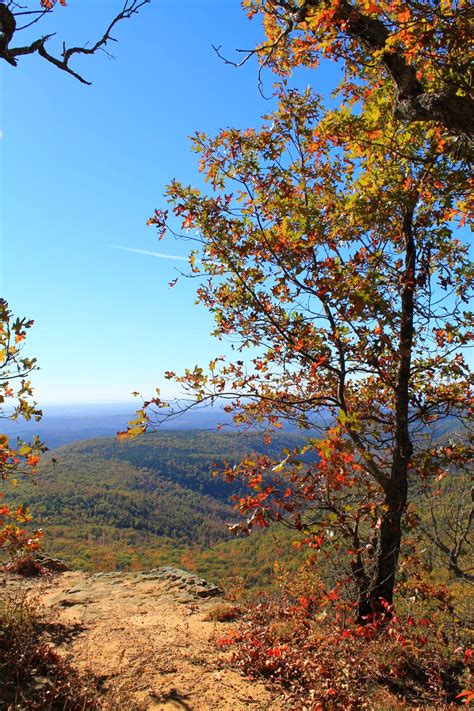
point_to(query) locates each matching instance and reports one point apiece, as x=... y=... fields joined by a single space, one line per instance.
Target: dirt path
x=148 y=637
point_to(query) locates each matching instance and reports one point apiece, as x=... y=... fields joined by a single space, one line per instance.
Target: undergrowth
x=33 y=677
x=304 y=643
x=25 y=565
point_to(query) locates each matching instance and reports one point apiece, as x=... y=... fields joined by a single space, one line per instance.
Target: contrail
x=160 y=255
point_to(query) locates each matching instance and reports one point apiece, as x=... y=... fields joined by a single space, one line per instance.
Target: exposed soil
x=146 y=636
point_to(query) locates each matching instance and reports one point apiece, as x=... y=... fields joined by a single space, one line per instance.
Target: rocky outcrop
x=183 y=585
x=54 y=565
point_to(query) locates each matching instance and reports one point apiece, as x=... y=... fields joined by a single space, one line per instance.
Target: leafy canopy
x=16 y=458
x=329 y=249
x=422 y=49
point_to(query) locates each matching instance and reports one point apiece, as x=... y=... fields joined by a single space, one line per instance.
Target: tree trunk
x=377 y=599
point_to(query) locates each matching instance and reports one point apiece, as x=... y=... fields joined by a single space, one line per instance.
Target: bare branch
x=130 y=8
x=452 y=546
x=39 y=16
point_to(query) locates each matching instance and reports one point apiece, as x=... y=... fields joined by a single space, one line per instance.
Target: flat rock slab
x=147 y=635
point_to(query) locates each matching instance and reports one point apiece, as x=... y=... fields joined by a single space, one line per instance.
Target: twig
x=130 y=8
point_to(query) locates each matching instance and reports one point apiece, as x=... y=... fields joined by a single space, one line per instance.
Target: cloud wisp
x=158 y=255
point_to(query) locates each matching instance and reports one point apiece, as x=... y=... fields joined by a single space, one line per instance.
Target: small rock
x=41 y=682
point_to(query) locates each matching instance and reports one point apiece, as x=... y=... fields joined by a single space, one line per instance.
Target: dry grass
x=33 y=677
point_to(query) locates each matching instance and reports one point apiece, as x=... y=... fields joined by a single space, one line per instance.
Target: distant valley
x=106 y=504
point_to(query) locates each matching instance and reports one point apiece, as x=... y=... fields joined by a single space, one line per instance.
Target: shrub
x=25 y=565
x=302 y=641
x=33 y=676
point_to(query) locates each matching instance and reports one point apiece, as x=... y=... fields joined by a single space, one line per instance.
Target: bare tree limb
x=453 y=546
x=130 y=8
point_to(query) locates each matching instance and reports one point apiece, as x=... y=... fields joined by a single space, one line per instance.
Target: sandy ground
x=149 y=640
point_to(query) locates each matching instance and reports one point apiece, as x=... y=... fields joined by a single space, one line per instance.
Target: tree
x=328 y=247
x=20 y=458
x=10 y=11
x=423 y=47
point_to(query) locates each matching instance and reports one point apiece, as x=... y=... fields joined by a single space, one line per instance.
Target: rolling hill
x=106 y=504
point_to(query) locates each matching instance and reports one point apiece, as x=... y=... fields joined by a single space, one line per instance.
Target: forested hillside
x=188 y=458
x=105 y=504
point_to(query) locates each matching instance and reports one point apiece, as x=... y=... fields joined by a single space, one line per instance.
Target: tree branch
x=130 y=8
x=413 y=103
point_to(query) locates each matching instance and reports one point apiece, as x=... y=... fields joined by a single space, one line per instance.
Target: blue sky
x=82 y=169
